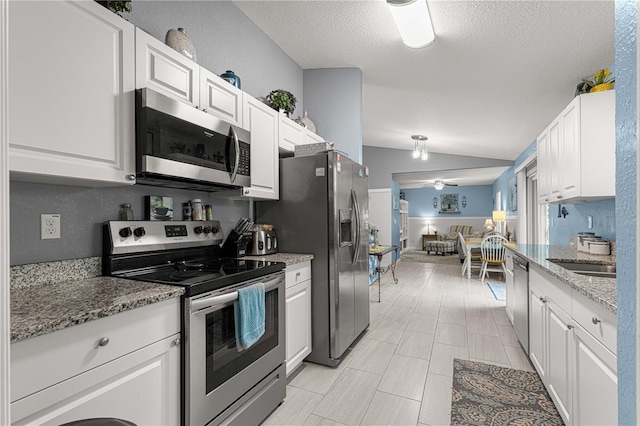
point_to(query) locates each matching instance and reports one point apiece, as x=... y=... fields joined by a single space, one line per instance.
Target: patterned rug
x=422 y=256
x=485 y=394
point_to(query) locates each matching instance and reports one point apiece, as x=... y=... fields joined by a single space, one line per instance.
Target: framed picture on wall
x=449 y=204
x=513 y=194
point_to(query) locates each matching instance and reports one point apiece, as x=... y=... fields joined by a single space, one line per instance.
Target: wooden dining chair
x=469 y=261
x=493 y=255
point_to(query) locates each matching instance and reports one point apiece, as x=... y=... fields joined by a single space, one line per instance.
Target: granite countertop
x=287 y=258
x=599 y=289
x=50 y=296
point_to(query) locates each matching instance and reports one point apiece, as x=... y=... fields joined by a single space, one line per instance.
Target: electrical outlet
x=49 y=226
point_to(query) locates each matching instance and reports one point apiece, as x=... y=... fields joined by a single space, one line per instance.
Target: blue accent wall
x=561 y=229
x=502 y=183
x=479 y=201
x=626 y=201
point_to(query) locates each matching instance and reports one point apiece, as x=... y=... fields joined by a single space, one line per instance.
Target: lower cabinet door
x=536 y=331
x=559 y=338
x=298 y=319
x=142 y=387
x=596 y=382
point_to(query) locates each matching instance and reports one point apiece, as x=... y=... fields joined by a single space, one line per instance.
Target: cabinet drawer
x=551 y=288
x=597 y=320
x=297 y=273
x=46 y=360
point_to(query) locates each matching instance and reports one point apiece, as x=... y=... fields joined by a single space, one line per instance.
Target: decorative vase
x=178 y=40
x=601 y=87
x=232 y=78
x=308 y=123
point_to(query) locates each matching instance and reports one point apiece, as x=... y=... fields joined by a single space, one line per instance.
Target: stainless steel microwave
x=180 y=146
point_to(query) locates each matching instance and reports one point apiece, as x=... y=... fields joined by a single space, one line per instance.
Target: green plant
x=117 y=6
x=282 y=100
x=601 y=77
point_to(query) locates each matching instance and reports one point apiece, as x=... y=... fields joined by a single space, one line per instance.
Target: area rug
x=485 y=394
x=498 y=290
x=422 y=256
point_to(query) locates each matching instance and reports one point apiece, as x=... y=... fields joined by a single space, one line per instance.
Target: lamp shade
x=489 y=224
x=499 y=215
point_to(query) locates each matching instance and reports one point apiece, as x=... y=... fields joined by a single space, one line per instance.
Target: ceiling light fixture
x=439 y=185
x=417 y=151
x=413 y=22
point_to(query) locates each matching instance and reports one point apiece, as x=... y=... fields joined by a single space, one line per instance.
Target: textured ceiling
x=497 y=74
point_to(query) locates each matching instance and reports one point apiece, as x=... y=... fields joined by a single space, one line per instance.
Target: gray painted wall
x=333 y=100
x=83 y=210
x=224 y=39
x=383 y=162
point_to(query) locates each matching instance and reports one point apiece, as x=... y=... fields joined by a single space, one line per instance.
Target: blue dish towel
x=249 y=315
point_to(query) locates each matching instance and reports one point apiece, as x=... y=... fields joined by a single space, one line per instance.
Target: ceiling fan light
x=413 y=21
x=439 y=185
x=424 y=154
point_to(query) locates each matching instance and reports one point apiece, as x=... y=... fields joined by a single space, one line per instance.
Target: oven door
x=216 y=374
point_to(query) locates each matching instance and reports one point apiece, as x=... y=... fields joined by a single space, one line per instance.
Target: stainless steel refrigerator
x=324 y=210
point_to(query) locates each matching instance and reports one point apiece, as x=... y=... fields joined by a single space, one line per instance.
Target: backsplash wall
x=604 y=220
x=83 y=210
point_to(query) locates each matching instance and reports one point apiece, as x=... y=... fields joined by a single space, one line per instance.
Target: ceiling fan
x=439 y=184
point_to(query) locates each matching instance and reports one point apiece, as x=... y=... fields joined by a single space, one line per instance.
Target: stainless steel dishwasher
x=521 y=300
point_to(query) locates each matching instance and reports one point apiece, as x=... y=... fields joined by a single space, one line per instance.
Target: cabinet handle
x=204 y=110
x=546 y=199
x=559 y=197
x=176 y=342
x=595 y=320
x=569 y=327
x=543 y=299
x=103 y=342
x=131 y=177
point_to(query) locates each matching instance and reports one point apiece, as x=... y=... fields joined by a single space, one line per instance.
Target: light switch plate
x=49 y=226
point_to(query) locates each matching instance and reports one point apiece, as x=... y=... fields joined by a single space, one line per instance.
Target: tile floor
x=400 y=372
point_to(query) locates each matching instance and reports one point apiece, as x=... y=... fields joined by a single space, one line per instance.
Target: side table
x=379 y=252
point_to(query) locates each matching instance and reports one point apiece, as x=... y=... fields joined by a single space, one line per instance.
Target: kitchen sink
x=589 y=269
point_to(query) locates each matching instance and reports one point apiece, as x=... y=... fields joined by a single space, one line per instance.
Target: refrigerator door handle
x=356 y=252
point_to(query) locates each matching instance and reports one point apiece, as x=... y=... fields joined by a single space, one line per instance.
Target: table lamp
x=488 y=223
x=499 y=216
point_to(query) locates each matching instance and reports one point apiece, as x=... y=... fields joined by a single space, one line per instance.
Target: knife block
x=236 y=244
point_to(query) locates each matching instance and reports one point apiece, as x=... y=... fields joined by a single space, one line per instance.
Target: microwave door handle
x=356 y=252
x=237 y=145
x=203 y=305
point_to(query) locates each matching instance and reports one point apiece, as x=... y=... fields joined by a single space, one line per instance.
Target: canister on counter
x=209 y=212
x=196 y=209
x=125 y=212
x=186 y=211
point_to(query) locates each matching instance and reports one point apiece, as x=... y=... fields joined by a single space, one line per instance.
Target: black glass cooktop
x=202 y=275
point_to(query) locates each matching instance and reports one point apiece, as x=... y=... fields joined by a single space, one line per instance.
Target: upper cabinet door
x=291 y=133
x=71 y=79
x=165 y=70
x=219 y=98
x=543 y=167
x=262 y=122
x=570 y=161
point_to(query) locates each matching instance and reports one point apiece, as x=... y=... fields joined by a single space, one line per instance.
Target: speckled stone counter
x=42 y=309
x=288 y=258
x=600 y=290
x=55 y=272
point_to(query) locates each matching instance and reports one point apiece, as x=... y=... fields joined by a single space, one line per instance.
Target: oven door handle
x=200 y=305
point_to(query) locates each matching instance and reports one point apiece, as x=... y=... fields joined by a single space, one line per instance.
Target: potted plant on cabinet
x=281 y=100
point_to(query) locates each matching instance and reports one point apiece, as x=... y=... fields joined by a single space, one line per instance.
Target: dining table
x=379 y=252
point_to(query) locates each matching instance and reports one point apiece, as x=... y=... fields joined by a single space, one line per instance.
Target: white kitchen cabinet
x=166 y=71
x=72 y=79
x=508 y=280
x=292 y=134
x=125 y=366
x=559 y=373
x=221 y=99
x=569 y=344
x=595 y=398
x=537 y=325
x=262 y=122
x=576 y=157
x=298 y=314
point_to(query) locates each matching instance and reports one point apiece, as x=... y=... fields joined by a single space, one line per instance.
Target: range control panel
x=142 y=235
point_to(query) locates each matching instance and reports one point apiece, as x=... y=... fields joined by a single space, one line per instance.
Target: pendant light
x=419 y=152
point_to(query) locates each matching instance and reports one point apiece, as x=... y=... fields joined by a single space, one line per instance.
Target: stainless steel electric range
x=220 y=385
